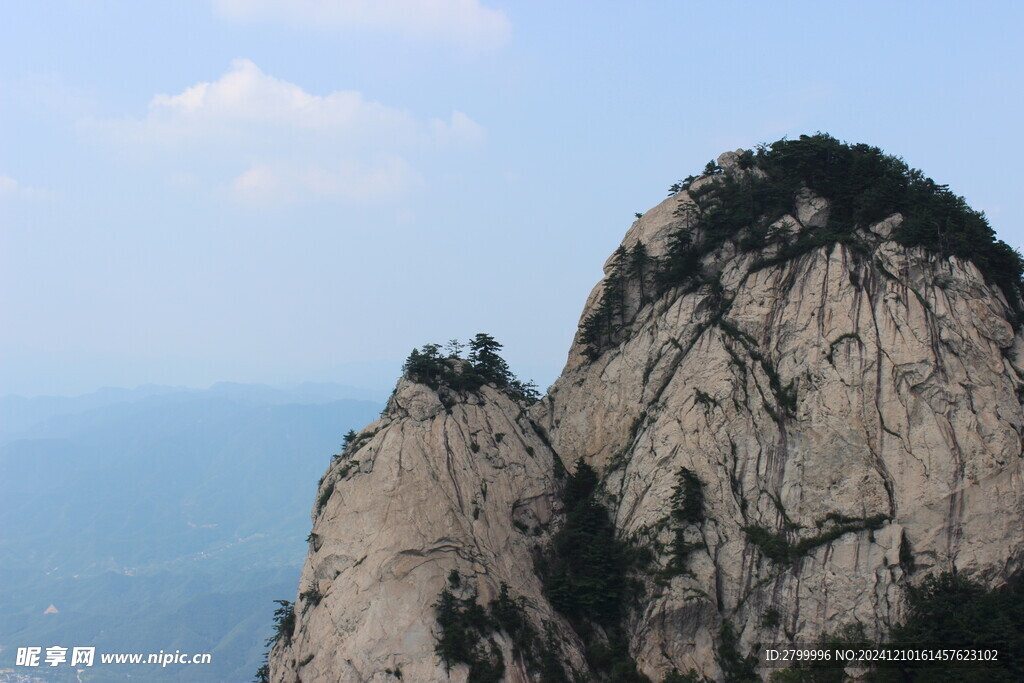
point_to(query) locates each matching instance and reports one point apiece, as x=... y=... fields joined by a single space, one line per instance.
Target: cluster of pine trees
x=586 y=576
x=483 y=365
x=863 y=185
x=945 y=611
x=466 y=633
x=629 y=267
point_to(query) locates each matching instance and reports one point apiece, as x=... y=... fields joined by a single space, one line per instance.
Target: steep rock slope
x=442 y=482
x=792 y=410
x=851 y=414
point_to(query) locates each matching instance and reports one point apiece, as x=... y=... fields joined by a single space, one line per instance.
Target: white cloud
x=463 y=22
x=265 y=183
x=291 y=143
x=459 y=130
x=245 y=98
x=246 y=94
x=12 y=189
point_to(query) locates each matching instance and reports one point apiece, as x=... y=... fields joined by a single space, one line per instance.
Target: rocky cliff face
x=441 y=483
x=847 y=419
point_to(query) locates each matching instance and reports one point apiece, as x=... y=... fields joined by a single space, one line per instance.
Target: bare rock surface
x=876 y=393
x=426 y=490
x=852 y=416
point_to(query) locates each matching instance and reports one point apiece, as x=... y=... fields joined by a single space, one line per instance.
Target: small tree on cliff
x=483 y=354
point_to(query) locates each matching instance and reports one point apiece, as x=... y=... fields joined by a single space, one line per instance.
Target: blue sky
x=273 y=191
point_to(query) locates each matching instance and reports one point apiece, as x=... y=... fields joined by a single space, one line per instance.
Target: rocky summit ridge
x=795 y=392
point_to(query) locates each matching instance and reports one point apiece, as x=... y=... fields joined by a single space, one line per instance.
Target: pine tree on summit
x=483 y=354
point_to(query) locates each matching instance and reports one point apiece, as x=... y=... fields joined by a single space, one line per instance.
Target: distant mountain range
x=161 y=518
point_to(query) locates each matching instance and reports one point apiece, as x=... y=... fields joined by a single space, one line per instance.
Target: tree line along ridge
x=863 y=186
x=482 y=365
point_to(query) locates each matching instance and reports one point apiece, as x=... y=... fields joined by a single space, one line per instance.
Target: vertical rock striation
x=877 y=394
x=847 y=417
x=440 y=483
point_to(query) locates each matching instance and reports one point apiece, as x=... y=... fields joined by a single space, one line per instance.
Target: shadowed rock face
x=852 y=417
x=898 y=401
x=425 y=490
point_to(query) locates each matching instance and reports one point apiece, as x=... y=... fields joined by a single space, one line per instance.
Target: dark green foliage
x=605 y=326
x=508 y=614
x=345 y=469
x=612 y=658
x=353 y=442
x=688 y=498
x=455 y=347
x=681 y=551
x=773 y=546
x=681 y=185
x=712 y=168
x=284 y=622
x=736 y=667
x=524 y=391
x=847 y=525
x=483 y=355
x=284 y=629
x=427 y=366
x=863 y=186
x=463 y=637
x=599 y=328
x=551 y=668
x=638 y=422
x=950 y=610
x=540 y=655
x=690 y=676
x=311 y=597
x=579 y=486
x=467 y=630
x=586 y=576
x=490 y=668
x=560 y=473
x=777 y=548
x=483 y=366
x=687 y=511
x=263 y=673
x=771 y=617
x=906 y=555
x=639 y=268
x=682 y=262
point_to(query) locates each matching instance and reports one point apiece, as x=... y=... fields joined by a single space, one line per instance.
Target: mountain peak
x=794 y=393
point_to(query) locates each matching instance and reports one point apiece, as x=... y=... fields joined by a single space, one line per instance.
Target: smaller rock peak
x=414 y=400
x=730 y=161
x=462 y=369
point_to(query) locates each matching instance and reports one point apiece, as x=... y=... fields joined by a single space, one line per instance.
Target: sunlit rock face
x=851 y=415
x=440 y=483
